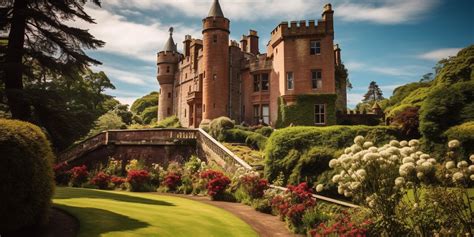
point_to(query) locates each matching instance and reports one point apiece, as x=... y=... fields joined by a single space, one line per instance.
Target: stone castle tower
x=215 y=39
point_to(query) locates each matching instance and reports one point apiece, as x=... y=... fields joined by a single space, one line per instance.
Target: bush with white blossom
x=380 y=177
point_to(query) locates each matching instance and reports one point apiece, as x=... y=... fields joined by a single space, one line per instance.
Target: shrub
x=464 y=133
x=262 y=205
x=256 y=141
x=79 y=176
x=408 y=121
x=342 y=226
x=286 y=147
x=26 y=173
x=236 y=135
x=292 y=205
x=117 y=181
x=218 y=126
x=169 y=122
x=101 y=180
x=217 y=186
x=139 y=180
x=172 y=181
x=61 y=176
x=265 y=131
x=253 y=185
x=313 y=217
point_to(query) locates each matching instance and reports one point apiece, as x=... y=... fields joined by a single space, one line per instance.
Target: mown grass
x=113 y=213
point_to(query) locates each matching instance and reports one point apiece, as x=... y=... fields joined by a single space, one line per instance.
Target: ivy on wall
x=302 y=112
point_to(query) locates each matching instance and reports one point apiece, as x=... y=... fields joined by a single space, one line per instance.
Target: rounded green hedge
x=26 y=174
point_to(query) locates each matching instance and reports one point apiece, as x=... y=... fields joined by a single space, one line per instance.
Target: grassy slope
x=253 y=157
x=111 y=213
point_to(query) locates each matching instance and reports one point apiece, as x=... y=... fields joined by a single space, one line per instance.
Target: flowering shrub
x=78 y=175
x=139 y=180
x=61 y=176
x=172 y=181
x=217 y=186
x=380 y=177
x=117 y=181
x=101 y=180
x=292 y=205
x=114 y=167
x=134 y=165
x=343 y=226
x=253 y=185
x=211 y=174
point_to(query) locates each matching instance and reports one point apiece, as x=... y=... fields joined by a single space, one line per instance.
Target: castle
x=295 y=82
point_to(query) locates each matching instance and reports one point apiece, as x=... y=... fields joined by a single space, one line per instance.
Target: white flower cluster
x=364 y=157
x=461 y=171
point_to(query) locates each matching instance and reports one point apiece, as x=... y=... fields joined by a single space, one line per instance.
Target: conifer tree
x=373 y=94
x=39 y=35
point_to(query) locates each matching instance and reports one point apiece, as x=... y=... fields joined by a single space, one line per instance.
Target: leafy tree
x=144 y=102
x=408 y=121
x=109 y=120
x=374 y=93
x=150 y=115
x=123 y=112
x=39 y=36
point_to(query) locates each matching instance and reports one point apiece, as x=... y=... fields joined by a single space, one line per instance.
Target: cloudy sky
x=390 y=42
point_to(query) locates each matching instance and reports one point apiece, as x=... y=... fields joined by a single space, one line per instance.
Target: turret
x=215 y=64
x=327 y=15
x=167 y=67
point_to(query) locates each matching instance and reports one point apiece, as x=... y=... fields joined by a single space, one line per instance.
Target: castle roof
x=170 y=45
x=216 y=10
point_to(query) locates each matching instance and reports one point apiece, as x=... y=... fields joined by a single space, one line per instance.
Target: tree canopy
x=374 y=93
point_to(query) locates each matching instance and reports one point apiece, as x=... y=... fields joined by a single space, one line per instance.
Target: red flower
x=117 y=181
x=172 y=180
x=138 y=179
x=101 y=179
x=78 y=175
x=217 y=186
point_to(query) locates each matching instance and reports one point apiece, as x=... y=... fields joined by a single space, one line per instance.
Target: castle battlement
x=168 y=57
x=299 y=28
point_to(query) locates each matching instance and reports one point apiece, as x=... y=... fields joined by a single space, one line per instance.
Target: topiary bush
x=265 y=131
x=169 y=122
x=286 y=147
x=218 y=126
x=26 y=173
x=256 y=141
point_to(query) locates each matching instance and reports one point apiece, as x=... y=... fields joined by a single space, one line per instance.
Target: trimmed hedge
x=288 y=147
x=265 y=131
x=302 y=112
x=169 y=122
x=218 y=126
x=26 y=173
x=256 y=141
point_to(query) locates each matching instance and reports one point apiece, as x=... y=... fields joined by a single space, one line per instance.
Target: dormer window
x=314 y=47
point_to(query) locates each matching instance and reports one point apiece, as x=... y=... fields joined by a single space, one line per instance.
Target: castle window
x=266 y=114
x=185 y=113
x=316 y=79
x=320 y=114
x=158 y=69
x=289 y=81
x=315 y=47
x=168 y=69
x=256 y=114
x=214 y=76
x=169 y=94
x=256 y=83
x=214 y=38
x=265 y=82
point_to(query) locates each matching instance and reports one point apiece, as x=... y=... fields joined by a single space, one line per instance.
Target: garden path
x=264 y=224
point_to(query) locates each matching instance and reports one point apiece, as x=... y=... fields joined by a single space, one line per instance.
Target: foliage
x=79 y=176
x=298 y=115
x=101 y=180
x=141 y=104
x=39 y=36
x=139 y=180
x=109 y=120
x=123 y=112
x=313 y=217
x=374 y=93
x=446 y=107
x=172 y=181
x=256 y=141
x=456 y=69
x=291 y=205
x=150 y=115
x=217 y=182
x=408 y=121
x=265 y=131
x=61 y=176
x=465 y=134
x=218 y=126
x=286 y=147
x=169 y=122
x=117 y=181
x=253 y=185
x=343 y=226
x=249 y=155
x=26 y=174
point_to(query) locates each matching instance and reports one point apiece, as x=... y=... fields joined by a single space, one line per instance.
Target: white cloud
x=354 y=98
x=123 y=76
x=400 y=71
x=127 y=100
x=354 y=65
x=382 y=11
x=385 y=12
x=439 y=54
x=127 y=38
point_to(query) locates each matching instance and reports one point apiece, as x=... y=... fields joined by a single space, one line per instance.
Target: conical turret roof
x=170 y=45
x=216 y=10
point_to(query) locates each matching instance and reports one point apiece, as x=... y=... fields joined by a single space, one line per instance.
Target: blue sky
x=390 y=42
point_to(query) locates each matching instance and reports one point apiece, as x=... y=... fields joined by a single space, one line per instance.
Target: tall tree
x=373 y=94
x=39 y=33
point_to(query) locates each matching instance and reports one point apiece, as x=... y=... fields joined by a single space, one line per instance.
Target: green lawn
x=112 y=213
